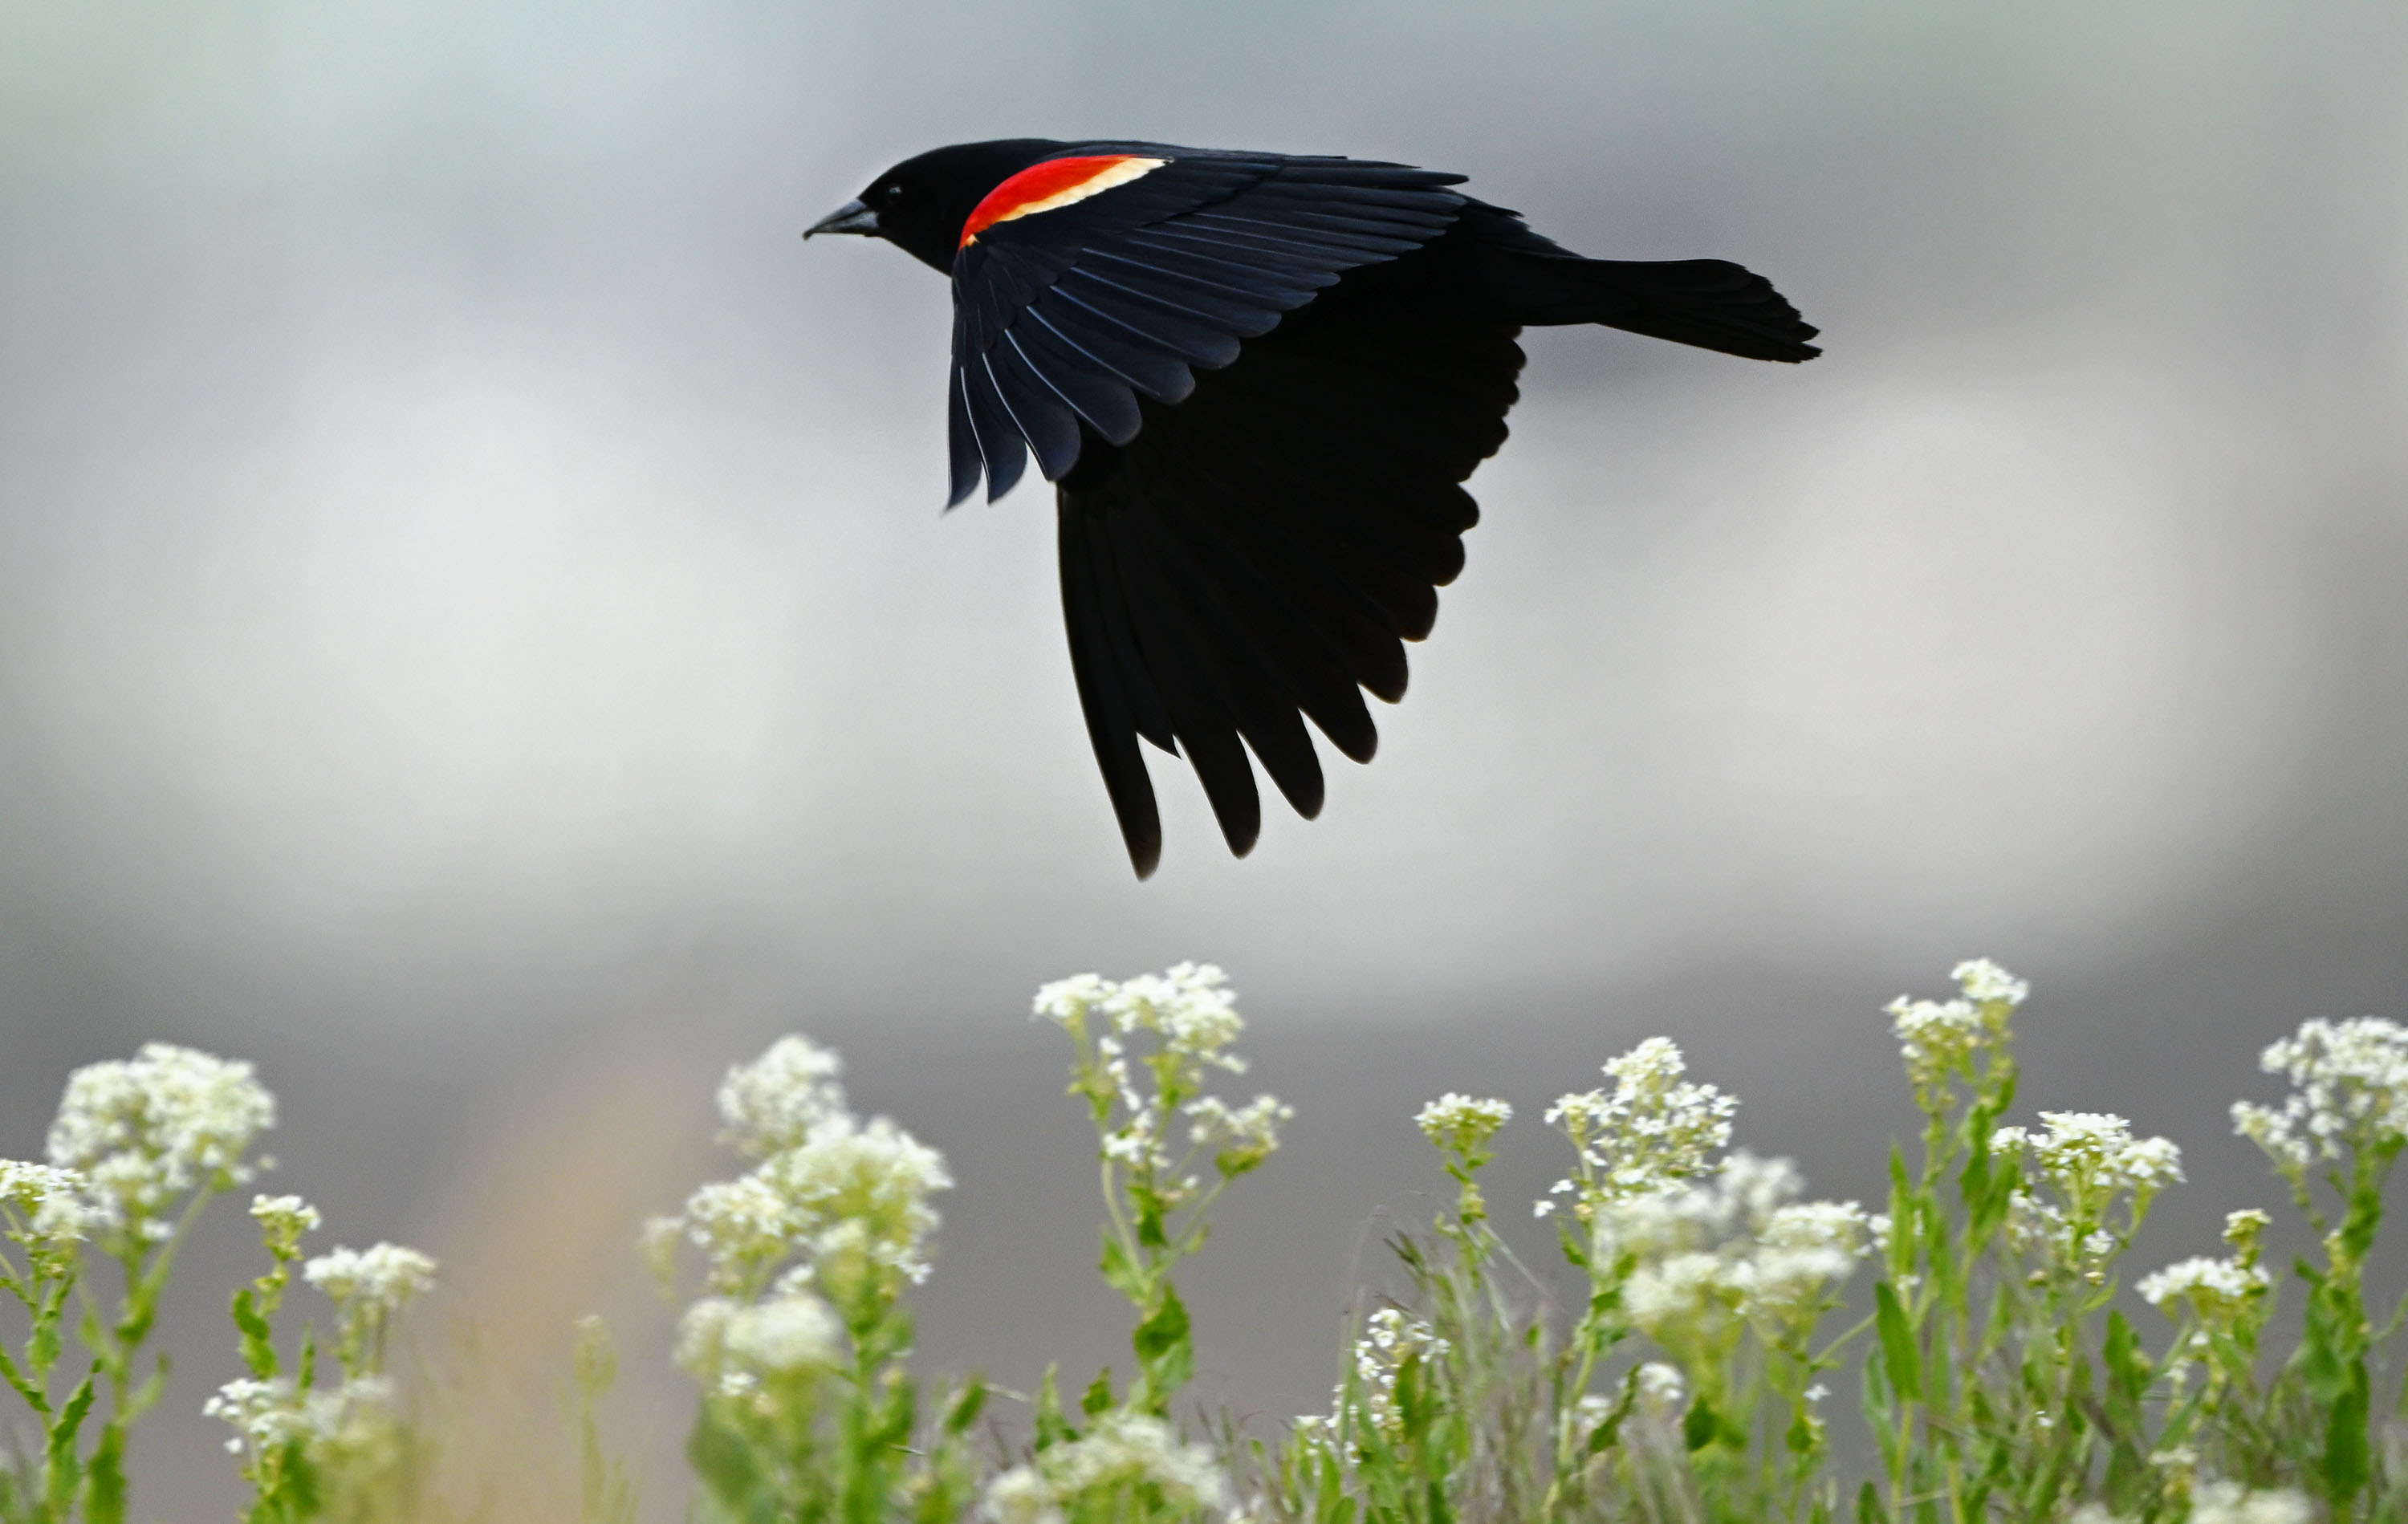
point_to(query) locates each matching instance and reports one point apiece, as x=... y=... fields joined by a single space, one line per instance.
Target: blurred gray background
x=477 y=635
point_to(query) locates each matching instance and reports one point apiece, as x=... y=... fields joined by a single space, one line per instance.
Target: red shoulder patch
x=1056 y=182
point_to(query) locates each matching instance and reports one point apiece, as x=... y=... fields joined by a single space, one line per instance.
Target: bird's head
x=920 y=204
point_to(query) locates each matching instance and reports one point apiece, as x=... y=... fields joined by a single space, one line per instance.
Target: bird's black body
x=1257 y=383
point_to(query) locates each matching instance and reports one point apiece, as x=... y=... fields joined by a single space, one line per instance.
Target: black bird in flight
x=1257 y=383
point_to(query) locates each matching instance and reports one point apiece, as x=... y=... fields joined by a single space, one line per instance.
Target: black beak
x=852 y=217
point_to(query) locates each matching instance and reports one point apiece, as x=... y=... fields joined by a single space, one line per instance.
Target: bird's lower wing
x=1256 y=555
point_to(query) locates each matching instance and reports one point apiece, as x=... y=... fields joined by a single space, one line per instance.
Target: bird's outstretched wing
x=1255 y=555
x=1114 y=272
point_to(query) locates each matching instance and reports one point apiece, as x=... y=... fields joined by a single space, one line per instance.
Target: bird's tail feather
x=1710 y=303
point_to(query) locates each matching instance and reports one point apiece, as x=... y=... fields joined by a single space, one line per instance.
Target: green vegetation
x=2002 y=1372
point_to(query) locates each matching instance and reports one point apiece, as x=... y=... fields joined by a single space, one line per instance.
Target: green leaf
x=1699 y=1429
x=2345 y=1463
x=1150 y=1234
x=1099 y=1398
x=33 y=1394
x=104 y=1478
x=1121 y=1272
x=1902 y=1366
x=1869 y=1508
x=2127 y=1369
x=1162 y=1348
x=64 y=1466
x=723 y=1461
x=967 y=1404
x=1051 y=1428
x=258 y=1338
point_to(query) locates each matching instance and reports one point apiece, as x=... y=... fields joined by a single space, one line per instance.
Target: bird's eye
x=891 y=194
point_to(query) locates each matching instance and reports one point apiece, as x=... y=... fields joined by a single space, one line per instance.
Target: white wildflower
x=1682 y=1301
x=1738 y=1202
x=1593 y=1408
x=1189 y=1006
x=387 y=1277
x=1655 y=1129
x=2033 y=1226
x=785 y=1334
x=1805 y=1250
x=1240 y=1139
x=2091 y=1158
x=731 y=1348
x=145 y=1131
x=1940 y=1038
x=1067 y=1002
x=658 y=1242
x=1461 y=1124
x=2349 y=1092
x=369 y=1288
x=285 y=1216
x=2229 y=1503
x=2218 y=1292
x=1391 y=1342
x=1129 y=1465
x=2275 y=1131
x=745 y=1227
x=1023 y=1496
x=702 y=1338
x=1987 y=983
x=46 y=1210
x=1662 y=1390
x=772 y=1103
x=347 y=1431
x=1734 y=1247
x=859 y=1192
x=263 y=1413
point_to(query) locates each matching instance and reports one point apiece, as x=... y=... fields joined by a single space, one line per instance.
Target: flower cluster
x=2349 y=1092
x=269 y=1415
x=2092 y=1157
x=772 y=1103
x=833 y=1201
x=2222 y=1295
x=1190 y=1006
x=732 y=1347
x=388 y=1275
x=1128 y=1467
x=1735 y=1247
x=369 y=1288
x=1460 y=1124
x=350 y=1436
x=2218 y=1292
x=858 y=1194
x=146 y=1131
x=1191 y=1016
x=283 y=1220
x=1653 y=1130
x=1942 y=1039
x=1240 y=1139
x=1390 y=1342
x=2090 y=1161
x=2229 y=1503
x=45 y=1210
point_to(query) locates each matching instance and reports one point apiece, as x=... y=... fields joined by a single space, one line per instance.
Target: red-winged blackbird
x=1257 y=381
